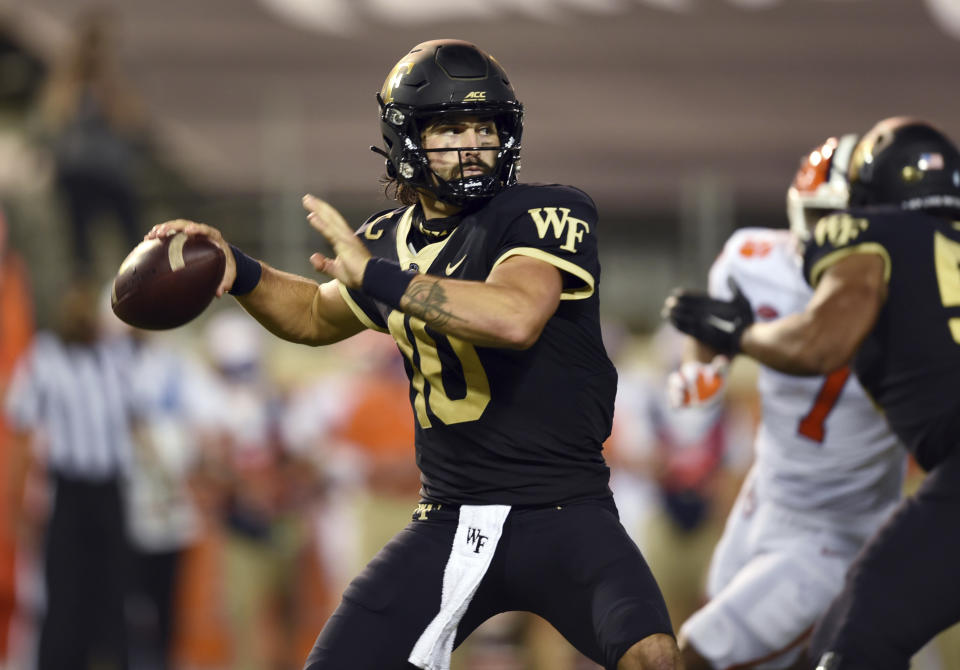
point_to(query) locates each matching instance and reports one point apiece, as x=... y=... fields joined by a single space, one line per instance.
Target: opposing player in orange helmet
x=827 y=469
x=886 y=284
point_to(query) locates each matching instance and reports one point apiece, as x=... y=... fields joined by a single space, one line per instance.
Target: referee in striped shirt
x=70 y=405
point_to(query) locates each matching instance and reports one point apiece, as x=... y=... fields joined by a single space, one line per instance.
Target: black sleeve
x=557 y=225
x=841 y=234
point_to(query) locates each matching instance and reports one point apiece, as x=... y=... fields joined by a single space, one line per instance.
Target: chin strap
x=436 y=229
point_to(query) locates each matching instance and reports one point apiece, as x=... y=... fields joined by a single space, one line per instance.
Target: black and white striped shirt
x=77 y=400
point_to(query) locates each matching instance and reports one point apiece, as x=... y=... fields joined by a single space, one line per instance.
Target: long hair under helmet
x=448 y=77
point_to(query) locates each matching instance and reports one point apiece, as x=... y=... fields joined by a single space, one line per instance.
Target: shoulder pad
x=539 y=195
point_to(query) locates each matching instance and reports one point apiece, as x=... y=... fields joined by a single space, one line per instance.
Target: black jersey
x=910 y=361
x=497 y=425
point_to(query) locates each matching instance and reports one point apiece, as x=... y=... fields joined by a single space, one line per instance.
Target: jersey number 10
x=422 y=350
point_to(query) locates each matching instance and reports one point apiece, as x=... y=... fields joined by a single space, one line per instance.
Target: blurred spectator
x=672 y=474
x=385 y=446
x=95 y=125
x=16 y=329
x=169 y=390
x=24 y=168
x=69 y=405
x=266 y=490
x=371 y=481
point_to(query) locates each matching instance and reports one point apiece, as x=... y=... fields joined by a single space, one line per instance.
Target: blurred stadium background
x=683 y=119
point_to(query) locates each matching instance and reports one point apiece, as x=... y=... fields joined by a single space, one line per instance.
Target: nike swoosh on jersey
x=721 y=324
x=452 y=267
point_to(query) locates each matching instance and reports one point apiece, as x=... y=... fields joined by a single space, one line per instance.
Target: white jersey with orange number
x=826 y=473
x=822 y=445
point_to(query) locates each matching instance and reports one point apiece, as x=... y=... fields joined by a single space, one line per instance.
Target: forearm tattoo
x=426 y=299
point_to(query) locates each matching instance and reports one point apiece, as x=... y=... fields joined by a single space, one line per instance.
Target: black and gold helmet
x=447 y=77
x=908 y=163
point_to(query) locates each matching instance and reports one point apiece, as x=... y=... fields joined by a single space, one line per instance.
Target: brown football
x=164 y=283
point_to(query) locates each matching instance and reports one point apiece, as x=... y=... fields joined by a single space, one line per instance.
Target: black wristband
x=385 y=281
x=248 y=273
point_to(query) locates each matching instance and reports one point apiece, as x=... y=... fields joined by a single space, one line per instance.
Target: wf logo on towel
x=475 y=538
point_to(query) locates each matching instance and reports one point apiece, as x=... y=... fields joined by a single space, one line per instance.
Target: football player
x=886 y=274
x=827 y=469
x=490 y=289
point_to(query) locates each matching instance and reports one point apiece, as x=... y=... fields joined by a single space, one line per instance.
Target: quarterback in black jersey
x=490 y=290
x=886 y=274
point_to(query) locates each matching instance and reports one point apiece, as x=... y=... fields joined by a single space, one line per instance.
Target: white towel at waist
x=474 y=544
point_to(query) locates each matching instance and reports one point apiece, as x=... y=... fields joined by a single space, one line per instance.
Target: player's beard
x=455 y=171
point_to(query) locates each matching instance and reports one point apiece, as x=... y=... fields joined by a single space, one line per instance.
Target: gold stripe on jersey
x=946 y=256
x=564 y=265
x=833 y=257
x=423 y=258
x=403 y=230
x=355 y=308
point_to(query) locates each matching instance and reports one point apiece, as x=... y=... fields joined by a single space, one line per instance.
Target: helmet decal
x=820 y=185
x=815 y=168
x=393 y=80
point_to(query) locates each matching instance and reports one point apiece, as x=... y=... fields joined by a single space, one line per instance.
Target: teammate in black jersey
x=490 y=290
x=886 y=274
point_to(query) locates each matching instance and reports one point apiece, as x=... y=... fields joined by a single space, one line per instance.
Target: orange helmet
x=820 y=185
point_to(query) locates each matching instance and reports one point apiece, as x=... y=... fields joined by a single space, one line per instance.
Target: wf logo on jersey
x=547 y=218
x=475 y=538
x=423 y=509
x=839 y=229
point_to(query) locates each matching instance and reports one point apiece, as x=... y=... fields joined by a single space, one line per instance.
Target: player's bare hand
x=350 y=256
x=174 y=226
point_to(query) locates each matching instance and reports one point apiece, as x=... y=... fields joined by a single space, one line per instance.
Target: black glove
x=717 y=323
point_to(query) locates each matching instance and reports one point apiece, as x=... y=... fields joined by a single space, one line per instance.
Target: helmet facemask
x=409 y=161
